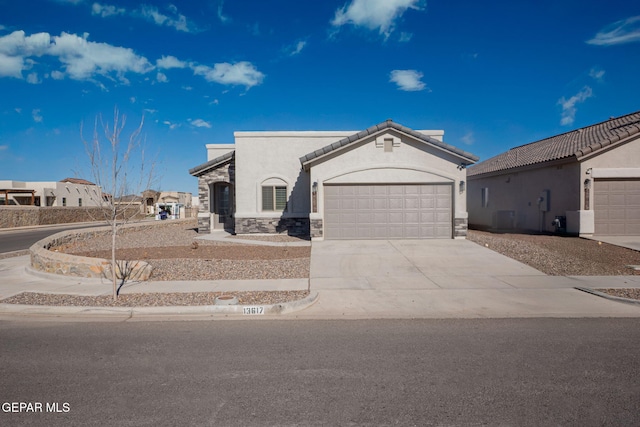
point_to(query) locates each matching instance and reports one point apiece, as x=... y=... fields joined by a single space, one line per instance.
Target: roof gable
x=309 y=158
x=578 y=143
x=212 y=164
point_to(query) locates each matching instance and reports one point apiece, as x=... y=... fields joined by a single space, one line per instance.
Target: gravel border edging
x=135 y=312
x=607 y=296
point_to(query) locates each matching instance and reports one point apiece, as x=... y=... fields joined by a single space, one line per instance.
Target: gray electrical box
x=543 y=201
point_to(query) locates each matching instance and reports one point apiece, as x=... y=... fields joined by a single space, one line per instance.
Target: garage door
x=617 y=207
x=388 y=211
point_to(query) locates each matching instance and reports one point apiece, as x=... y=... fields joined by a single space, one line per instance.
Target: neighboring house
x=152 y=197
x=385 y=182
x=589 y=178
x=68 y=192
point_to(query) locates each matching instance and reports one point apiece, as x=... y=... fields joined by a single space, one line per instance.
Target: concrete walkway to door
x=447 y=278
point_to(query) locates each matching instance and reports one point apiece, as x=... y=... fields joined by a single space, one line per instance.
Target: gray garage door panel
x=617 y=207
x=388 y=211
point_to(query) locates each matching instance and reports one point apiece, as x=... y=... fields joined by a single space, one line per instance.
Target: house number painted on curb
x=253 y=310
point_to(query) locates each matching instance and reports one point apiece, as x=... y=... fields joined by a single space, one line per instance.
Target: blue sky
x=492 y=75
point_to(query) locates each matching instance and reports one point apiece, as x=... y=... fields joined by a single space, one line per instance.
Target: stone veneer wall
x=316 y=228
x=461 y=226
x=290 y=226
x=27 y=216
x=224 y=173
x=46 y=260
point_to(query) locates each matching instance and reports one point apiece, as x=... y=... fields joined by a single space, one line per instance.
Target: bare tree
x=122 y=172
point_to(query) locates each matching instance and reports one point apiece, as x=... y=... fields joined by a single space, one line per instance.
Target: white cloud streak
x=569 y=105
x=168 y=62
x=408 y=80
x=176 y=20
x=597 y=74
x=468 y=138
x=104 y=10
x=380 y=15
x=81 y=59
x=295 y=48
x=620 y=32
x=199 y=123
x=37 y=117
x=239 y=74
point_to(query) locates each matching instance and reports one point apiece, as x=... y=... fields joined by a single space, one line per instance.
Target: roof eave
x=315 y=156
x=212 y=164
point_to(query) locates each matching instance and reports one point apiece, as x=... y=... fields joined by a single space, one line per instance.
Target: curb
x=138 y=312
x=607 y=296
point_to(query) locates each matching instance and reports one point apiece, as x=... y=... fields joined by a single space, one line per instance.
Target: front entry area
x=220 y=205
x=388 y=211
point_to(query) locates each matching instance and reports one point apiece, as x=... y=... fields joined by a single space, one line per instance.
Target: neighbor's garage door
x=388 y=211
x=617 y=207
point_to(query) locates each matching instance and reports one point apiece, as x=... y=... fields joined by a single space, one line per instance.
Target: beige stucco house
x=67 y=192
x=588 y=178
x=387 y=181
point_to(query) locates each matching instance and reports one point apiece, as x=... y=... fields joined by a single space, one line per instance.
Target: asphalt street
x=525 y=372
x=22 y=239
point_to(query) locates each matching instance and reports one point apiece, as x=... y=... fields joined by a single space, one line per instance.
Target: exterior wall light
x=462 y=186
x=314 y=197
x=587 y=187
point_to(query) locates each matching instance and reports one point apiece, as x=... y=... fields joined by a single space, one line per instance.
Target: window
x=485 y=197
x=80 y=201
x=274 y=198
x=64 y=201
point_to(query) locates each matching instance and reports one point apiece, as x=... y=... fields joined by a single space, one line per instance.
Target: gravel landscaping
x=175 y=255
x=565 y=256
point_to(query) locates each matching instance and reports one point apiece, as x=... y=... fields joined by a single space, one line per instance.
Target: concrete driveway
x=446 y=279
x=411 y=264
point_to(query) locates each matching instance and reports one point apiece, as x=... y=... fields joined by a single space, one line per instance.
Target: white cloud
x=596 y=74
x=407 y=80
x=569 y=105
x=295 y=48
x=11 y=66
x=170 y=62
x=242 y=73
x=378 y=15
x=162 y=78
x=624 y=31
x=37 y=117
x=177 y=20
x=4 y=147
x=57 y=75
x=222 y=17
x=104 y=10
x=405 y=37
x=33 y=78
x=172 y=126
x=81 y=59
x=200 y=123
x=468 y=138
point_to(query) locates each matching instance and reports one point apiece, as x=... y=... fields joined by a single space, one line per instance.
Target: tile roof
x=77 y=181
x=389 y=124
x=577 y=143
x=212 y=164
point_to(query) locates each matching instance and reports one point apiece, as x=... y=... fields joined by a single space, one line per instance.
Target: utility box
x=543 y=201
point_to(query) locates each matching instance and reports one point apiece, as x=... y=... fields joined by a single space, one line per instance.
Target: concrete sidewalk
x=362 y=280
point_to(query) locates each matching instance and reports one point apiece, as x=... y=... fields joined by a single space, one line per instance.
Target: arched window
x=274 y=195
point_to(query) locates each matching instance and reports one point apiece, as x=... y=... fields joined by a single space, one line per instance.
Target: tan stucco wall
x=410 y=162
x=519 y=191
x=90 y=194
x=263 y=156
x=621 y=161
